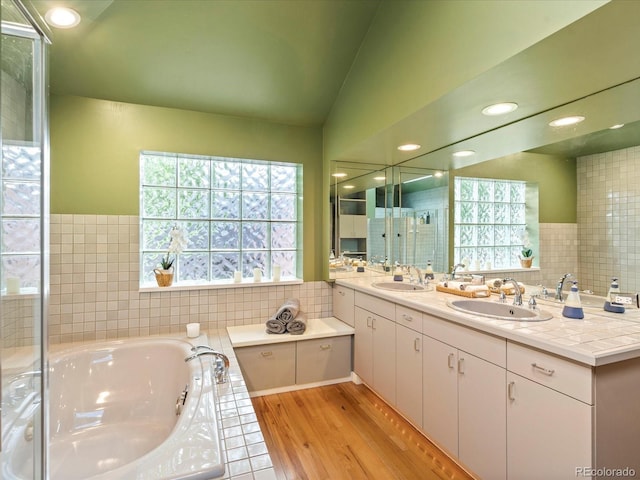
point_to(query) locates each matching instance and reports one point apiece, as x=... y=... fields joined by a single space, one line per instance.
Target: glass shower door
x=23 y=236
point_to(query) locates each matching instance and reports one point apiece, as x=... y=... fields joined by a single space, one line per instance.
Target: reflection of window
x=490 y=222
x=235 y=214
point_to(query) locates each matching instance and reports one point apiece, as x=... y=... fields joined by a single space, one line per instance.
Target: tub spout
x=221 y=363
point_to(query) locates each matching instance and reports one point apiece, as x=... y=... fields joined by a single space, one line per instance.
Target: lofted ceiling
x=279 y=60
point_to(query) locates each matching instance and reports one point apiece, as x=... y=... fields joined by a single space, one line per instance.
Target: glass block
x=501 y=235
x=225 y=235
x=515 y=255
x=21 y=198
x=468 y=189
x=196 y=234
x=485 y=255
x=194 y=172
x=193 y=204
x=286 y=260
x=251 y=260
x=456 y=212
x=223 y=264
x=456 y=255
x=283 y=207
x=517 y=192
x=501 y=213
x=283 y=235
x=283 y=178
x=485 y=234
x=468 y=254
x=159 y=170
x=24 y=267
x=468 y=235
x=255 y=177
x=225 y=205
x=456 y=234
x=21 y=162
x=254 y=235
x=517 y=213
x=158 y=203
x=502 y=257
x=20 y=235
x=150 y=261
x=156 y=234
x=501 y=192
x=485 y=212
x=225 y=175
x=193 y=266
x=516 y=235
x=485 y=190
x=255 y=206
x=468 y=212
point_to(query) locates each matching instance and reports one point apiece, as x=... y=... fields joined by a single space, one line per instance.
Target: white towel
x=298 y=325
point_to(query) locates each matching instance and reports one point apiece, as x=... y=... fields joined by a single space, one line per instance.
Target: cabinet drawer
x=375 y=305
x=323 y=359
x=565 y=376
x=343 y=301
x=268 y=366
x=482 y=345
x=409 y=318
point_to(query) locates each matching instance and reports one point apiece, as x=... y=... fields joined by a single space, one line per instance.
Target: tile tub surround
x=94 y=288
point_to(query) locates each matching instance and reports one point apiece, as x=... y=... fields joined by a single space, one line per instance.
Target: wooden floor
x=345 y=431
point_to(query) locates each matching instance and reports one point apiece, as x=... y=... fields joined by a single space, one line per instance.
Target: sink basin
x=500 y=311
x=400 y=286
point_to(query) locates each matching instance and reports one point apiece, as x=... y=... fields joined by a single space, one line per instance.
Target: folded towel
x=298 y=325
x=478 y=290
x=276 y=326
x=494 y=283
x=288 y=311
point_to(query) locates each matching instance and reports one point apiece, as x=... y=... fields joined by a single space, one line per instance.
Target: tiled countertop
x=598 y=339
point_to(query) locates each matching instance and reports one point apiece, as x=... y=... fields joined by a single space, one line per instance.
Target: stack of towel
x=288 y=318
x=496 y=285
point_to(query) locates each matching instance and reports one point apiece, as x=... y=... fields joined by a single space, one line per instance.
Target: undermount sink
x=400 y=286
x=499 y=311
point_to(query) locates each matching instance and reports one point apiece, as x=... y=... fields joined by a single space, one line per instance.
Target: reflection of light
x=102 y=397
x=564 y=121
x=499 y=108
x=464 y=153
x=438 y=174
x=379 y=178
x=62 y=17
x=416 y=179
x=408 y=147
x=349 y=187
x=615 y=127
x=339 y=175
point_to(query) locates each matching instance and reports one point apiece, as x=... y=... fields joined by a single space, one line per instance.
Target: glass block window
x=235 y=215
x=490 y=225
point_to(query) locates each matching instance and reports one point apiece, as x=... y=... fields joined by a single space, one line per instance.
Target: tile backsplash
x=94 y=288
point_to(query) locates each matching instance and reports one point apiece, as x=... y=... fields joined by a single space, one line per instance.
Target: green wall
x=95 y=146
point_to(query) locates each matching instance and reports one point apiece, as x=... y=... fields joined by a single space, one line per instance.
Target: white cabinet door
x=482 y=417
x=353 y=226
x=440 y=393
x=343 y=302
x=409 y=374
x=363 y=346
x=549 y=434
x=384 y=358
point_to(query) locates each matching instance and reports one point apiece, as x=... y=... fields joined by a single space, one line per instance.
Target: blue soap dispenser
x=611 y=305
x=573 y=307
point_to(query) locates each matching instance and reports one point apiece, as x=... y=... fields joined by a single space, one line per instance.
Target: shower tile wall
x=94 y=288
x=609 y=219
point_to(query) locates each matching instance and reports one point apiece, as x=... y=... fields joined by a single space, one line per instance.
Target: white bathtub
x=112 y=413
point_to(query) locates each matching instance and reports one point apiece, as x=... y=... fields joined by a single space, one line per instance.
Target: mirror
x=384 y=216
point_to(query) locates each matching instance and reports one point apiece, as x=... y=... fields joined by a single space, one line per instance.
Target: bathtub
x=115 y=413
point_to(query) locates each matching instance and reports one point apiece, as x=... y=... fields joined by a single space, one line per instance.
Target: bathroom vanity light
x=499 y=109
x=62 y=17
x=565 y=121
x=348 y=187
x=464 y=153
x=339 y=175
x=409 y=147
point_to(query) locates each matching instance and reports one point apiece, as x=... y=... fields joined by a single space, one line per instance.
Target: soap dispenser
x=611 y=305
x=429 y=272
x=573 y=306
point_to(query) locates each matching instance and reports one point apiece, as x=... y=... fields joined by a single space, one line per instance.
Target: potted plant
x=527 y=257
x=164 y=275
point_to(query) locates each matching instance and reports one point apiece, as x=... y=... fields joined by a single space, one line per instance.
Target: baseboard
x=291 y=388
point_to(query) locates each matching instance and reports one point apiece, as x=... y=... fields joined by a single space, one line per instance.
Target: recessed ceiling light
x=565 y=121
x=615 y=127
x=62 y=17
x=339 y=175
x=499 y=108
x=408 y=147
x=464 y=153
x=379 y=178
x=438 y=174
x=348 y=187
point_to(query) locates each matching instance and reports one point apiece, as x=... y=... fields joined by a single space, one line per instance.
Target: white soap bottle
x=573 y=306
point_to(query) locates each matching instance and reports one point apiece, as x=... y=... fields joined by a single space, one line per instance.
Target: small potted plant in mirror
x=527 y=258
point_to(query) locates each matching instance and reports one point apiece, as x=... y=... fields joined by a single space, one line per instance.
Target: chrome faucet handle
x=533 y=305
x=503 y=297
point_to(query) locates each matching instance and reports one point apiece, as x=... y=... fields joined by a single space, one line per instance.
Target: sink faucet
x=560 y=286
x=420 y=280
x=221 y=363
x=454 y=268
x=517 y=295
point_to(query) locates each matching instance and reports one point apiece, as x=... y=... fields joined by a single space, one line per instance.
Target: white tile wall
x=94 y=288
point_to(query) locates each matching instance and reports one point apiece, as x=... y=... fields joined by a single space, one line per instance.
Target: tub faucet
x=560 y=286
x=517 y=294
x=221 y=363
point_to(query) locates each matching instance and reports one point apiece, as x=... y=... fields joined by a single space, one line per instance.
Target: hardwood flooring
x=345 y=431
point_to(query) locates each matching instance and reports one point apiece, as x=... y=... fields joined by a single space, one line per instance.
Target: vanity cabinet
x=464 y=393
x=409 y=374
x=343 y=304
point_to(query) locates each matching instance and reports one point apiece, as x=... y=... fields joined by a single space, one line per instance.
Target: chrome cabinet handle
x=373 y=323
x=461 y=366
x=369 y=322
x=341 y=292
x=546 y=371
x=416 y=344
x=408 y=318
x=511 y=391
x=450 y=359
x=266 y=354
x=325 y=346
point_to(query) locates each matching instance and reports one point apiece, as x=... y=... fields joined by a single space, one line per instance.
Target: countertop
x=600 y=338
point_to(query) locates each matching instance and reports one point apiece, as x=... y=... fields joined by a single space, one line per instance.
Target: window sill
x=246 y=283
x=499 y=270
